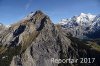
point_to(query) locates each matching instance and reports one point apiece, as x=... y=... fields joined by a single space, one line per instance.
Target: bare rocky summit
x=35 y=40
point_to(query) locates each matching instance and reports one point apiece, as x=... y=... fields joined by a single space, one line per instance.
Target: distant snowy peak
x=64 y=21
x=1 y=24
x=80 y=19
x=89 y=15
x=83 y=25
x=85 y=17
x=7 y=26
x=4 y=26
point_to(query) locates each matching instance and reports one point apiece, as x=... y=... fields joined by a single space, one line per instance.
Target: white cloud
x=28 y=4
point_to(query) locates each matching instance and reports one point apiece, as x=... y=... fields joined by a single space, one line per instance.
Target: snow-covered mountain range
x=83 y=25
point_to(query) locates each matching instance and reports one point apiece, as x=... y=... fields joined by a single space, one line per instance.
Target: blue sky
x=14 y=10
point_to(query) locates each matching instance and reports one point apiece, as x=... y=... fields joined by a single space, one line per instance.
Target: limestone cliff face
x=36 y=40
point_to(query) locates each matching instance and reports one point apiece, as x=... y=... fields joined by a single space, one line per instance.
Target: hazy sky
x=14 y=10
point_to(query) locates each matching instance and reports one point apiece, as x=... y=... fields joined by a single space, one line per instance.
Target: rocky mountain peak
x=34 y=20
x=36 y=15
x=38 y=12
x=34 y=41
